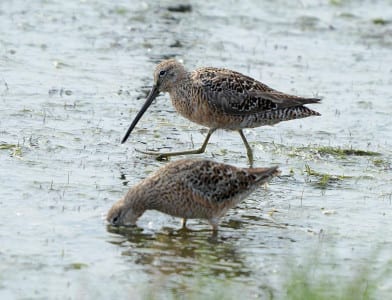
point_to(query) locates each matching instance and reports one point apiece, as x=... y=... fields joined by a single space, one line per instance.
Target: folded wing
x=234 y=93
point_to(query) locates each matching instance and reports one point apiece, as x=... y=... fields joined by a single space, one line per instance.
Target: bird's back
x=203 y=188
x=234 y=93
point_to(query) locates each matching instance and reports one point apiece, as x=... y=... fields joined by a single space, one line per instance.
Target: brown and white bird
x=190 y=189
x=221 y=99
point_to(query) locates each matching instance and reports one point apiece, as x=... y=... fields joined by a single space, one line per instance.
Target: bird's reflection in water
x=184 y=252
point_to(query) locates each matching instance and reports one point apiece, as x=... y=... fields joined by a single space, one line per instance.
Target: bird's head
x=122 y=213
x=167 y=74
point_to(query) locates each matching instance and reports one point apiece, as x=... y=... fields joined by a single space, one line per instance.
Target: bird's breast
x=196 y=108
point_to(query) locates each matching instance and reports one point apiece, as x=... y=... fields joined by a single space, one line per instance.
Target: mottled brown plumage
x=222 y=99
x=189 y=189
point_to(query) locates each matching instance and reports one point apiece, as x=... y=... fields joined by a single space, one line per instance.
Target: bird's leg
x=184 y=223
x=249 y=151
x=164 y=155
x=214 y=222
x=183 y=228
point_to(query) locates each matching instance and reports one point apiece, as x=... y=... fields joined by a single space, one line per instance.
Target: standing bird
x=190 y=189
x=221 y=99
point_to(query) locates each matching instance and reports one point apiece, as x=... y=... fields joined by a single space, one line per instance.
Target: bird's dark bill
x=151 y=96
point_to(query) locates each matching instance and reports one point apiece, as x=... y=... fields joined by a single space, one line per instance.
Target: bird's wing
x=234 y=93
x=216 y=184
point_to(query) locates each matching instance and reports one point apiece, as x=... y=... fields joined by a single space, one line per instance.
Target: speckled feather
x=237 y=94
x=190 y=189
x=221 y=98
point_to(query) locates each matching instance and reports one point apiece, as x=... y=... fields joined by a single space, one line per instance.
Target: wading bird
x=190 y=189
x=221 y=99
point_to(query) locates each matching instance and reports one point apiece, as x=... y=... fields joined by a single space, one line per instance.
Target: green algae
x=342 y=152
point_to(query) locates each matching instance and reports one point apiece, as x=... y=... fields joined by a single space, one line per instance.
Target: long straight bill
x=151 y=96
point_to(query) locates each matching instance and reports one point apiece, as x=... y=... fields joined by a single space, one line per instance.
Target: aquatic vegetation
x=341 y=152
x=310 y=152
x=76 y=266
x=336 y=2
x=181 y=8
x=16 y=150
x=324 y=179
x=381 y=163
x=121 y=10
x=7 y=146
x=380 y=21
x=310 y=280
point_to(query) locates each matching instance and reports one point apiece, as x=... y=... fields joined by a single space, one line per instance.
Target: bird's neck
x=143 y=196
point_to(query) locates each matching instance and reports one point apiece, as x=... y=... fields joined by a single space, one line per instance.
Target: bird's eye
x=162 y=73
x=115 y=220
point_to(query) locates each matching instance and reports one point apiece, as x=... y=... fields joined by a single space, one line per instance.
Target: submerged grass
x=324 y=179
x=381 y=163
x=16 y=150
x=5 y=146
x=341 y=152
x=76 y=266
x=380 y=21
x=338 y=152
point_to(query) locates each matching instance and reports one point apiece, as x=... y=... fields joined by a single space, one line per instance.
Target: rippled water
x=72 y=76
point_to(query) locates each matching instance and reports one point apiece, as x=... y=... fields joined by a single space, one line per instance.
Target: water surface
x=72 y=76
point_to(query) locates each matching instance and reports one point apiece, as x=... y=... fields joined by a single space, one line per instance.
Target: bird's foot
x=158 y=155
x=165 y=155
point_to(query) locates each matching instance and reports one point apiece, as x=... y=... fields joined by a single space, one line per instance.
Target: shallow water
x=72 y=77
